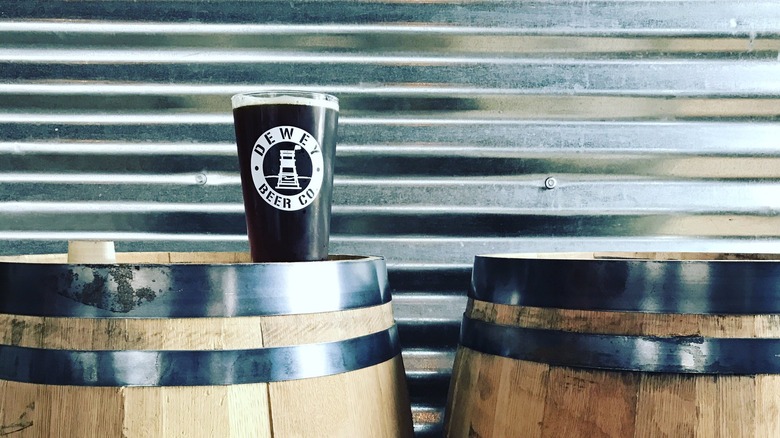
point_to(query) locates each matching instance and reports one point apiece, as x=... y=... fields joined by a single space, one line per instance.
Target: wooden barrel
x=199 y=345
x=619 y=345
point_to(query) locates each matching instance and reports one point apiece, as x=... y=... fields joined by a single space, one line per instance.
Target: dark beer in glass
x=286 y=148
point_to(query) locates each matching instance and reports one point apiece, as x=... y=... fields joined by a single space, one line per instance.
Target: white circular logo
x=287 y=167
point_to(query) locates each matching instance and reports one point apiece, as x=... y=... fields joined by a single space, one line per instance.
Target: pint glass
x=286 y=147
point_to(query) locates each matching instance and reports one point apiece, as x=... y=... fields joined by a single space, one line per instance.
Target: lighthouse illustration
x=288 y=174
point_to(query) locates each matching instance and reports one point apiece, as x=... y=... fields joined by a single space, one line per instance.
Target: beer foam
x=285 y=98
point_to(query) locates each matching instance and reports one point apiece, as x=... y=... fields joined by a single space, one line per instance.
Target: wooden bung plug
x=91 y=252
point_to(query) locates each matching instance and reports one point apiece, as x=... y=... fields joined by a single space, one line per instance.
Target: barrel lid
x=194 y=285
x=703 y=283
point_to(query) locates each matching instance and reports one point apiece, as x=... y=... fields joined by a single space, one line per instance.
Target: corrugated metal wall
x=656 y=120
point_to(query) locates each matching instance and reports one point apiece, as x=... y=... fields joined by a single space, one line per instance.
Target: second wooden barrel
x=619 y=346
x=199 y=345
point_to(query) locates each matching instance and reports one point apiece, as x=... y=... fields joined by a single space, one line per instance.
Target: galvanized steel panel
x=467 y=127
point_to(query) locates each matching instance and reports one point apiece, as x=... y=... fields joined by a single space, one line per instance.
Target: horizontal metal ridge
x=571 y=17
x=558 y=148
x=646 y=87
x=455 y=76
x=386 y=128
x=398 y=225
x=84 y=147
x=413 y=41
x=426 y=308
x=117 y=207
x=151 y=207
x=105 y=178
x=116 y=119
x=571 y=194
x=675 y=26
x=482 y=138
x=423 y=251
x=173 y=55
x=420 y=363
x=399 y=251
x=94 y=124
x=194 y=116
x=64 y=236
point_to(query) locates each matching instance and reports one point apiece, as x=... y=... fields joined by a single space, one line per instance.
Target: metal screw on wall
x=550 y=183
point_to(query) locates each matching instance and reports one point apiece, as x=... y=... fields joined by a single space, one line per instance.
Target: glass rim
x=293 y=97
